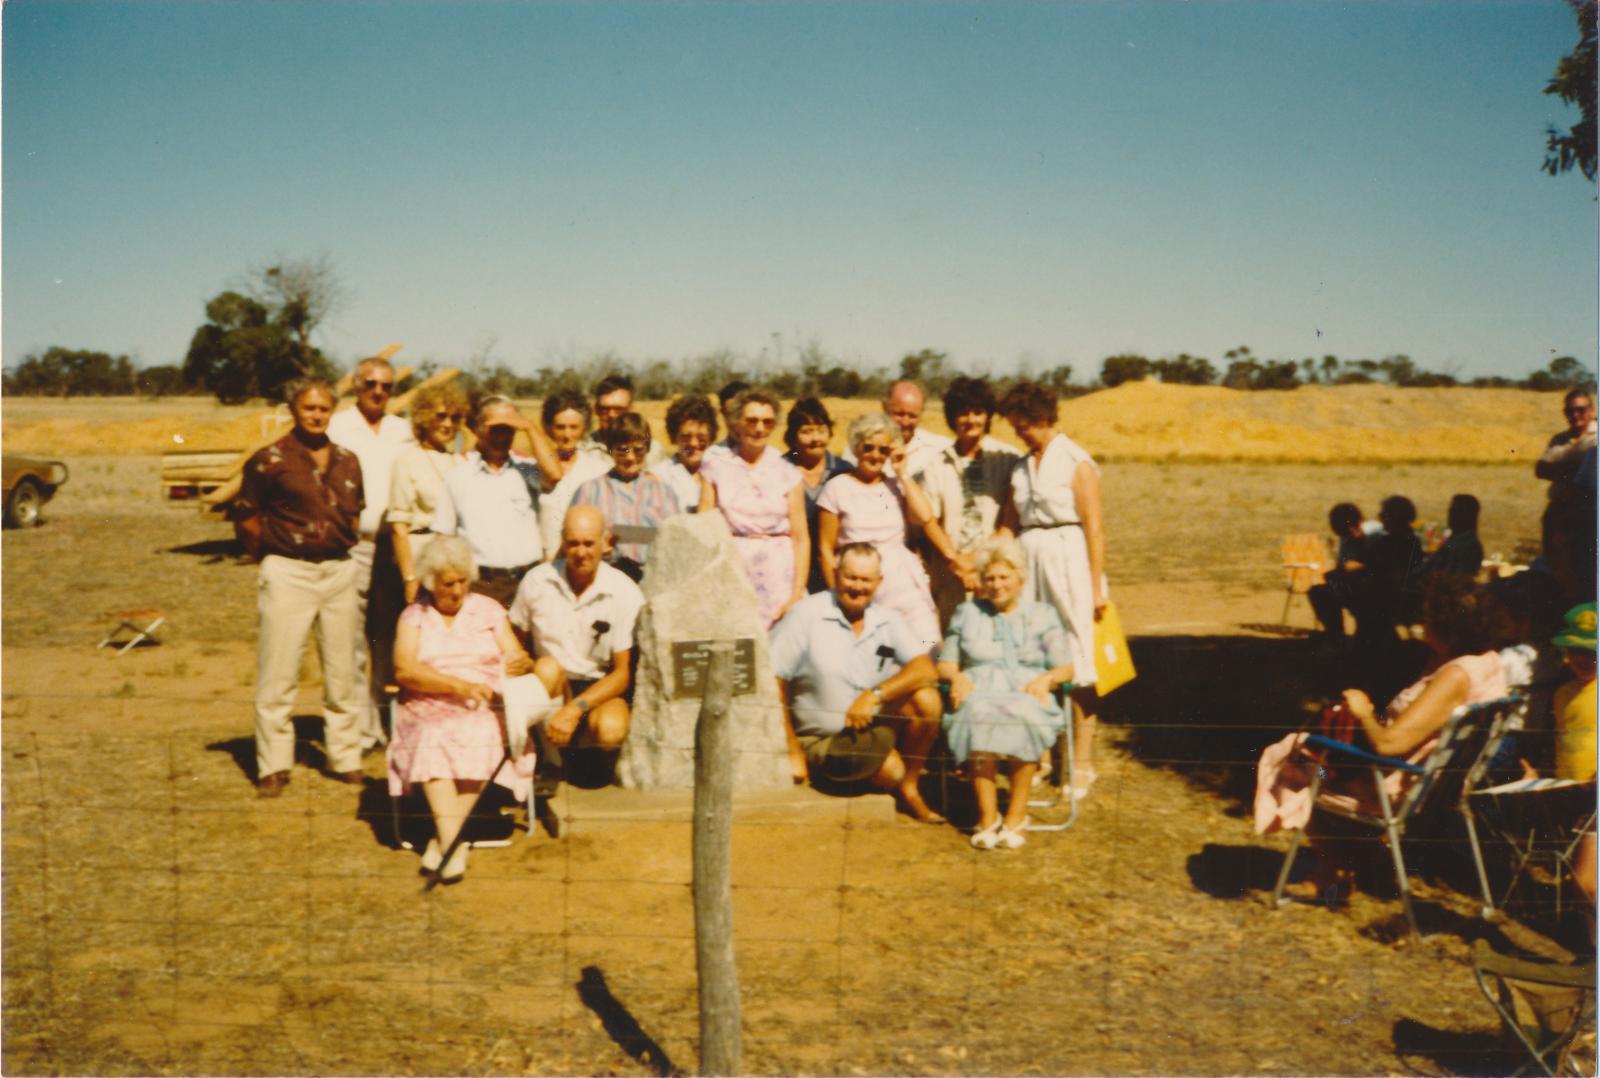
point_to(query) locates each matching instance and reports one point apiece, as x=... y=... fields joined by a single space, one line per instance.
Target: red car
x=30 y=482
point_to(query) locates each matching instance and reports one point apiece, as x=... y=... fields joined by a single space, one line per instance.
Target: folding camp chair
x=1438 y=779
x=141 y=623
x=944 y=766
x=1543 y=1005
x=1541 y=822
x=1306 y=562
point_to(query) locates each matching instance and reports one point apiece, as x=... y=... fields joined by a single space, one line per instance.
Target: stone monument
x=695 y=590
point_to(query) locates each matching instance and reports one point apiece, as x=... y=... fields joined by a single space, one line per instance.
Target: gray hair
x=870 y=425
x=446 y=553
x=865 y=550
x=1003 y=549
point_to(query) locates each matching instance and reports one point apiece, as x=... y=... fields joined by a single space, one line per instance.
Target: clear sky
x=1040 y=182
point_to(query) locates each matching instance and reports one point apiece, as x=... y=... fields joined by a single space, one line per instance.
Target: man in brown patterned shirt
x=298 y=511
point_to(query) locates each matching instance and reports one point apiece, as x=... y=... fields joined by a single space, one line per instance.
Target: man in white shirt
x=492 y=499
x=576 y=616
x=859 y=693
x=376 y=438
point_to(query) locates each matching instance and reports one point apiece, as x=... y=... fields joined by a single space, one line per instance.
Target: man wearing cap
x=576 y=616
x=377 y=439
x=858 y=693
x=1575 y=700
x=492 y=499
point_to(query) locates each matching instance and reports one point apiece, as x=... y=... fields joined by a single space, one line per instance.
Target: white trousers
x=293 y=599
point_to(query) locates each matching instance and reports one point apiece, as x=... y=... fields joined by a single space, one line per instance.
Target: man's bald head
x=583 y=544
x=903 y=404
x=583 y=521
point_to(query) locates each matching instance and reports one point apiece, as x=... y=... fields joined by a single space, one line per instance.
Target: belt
x=490 y=572
x=1051 y=527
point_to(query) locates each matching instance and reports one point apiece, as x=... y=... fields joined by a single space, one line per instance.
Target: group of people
x=914 y=559
x=1486 y=636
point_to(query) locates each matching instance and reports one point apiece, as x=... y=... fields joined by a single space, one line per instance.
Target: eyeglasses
x=755 y=421
x=374 y=383
x=634 y=450
x=874 y=451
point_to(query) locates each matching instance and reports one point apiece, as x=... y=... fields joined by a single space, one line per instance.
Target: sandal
x=986 y=838
x=432 y=857
x=1012 y=838
x=1081 y=783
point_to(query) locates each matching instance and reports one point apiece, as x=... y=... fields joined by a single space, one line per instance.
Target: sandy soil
x=159 y=919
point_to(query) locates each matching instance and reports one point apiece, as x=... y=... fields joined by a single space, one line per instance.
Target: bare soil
x=159 y=919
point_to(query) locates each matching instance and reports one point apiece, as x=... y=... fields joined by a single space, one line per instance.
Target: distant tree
x=1123 y=368
x=927 y=368
x=1309 y=365
x=299 y=294
x=1493 y=381
x=1277 y=374
x=243 y=351
x=1186 y=370
x=1241 y=374
x=1574 y=83
x=1564 y=372
x=1058 y=378
x=163 y=381
x=1330 y=369
x=839 y=382
x=1398 y=370
x=71 y=372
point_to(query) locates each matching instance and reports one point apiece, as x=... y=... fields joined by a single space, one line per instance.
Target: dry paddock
x=159 y=919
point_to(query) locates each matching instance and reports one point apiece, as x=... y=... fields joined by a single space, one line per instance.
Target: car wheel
x=22 y=508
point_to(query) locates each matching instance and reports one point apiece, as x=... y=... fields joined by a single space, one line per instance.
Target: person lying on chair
x=858 y=691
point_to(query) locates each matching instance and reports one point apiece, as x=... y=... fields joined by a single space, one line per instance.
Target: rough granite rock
x=695 y=589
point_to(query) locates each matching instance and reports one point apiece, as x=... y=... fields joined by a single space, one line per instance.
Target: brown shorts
x=849 y=755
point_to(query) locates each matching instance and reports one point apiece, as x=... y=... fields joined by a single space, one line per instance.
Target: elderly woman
x=418 y=476
x=807 y=435
x=966 y=482
x=692 y=428
x=1054 y=505
x=1463 y=627
x=868 y=505
x=762 y=497
x=451 y=651
x=632 y=502
x=1004 y=658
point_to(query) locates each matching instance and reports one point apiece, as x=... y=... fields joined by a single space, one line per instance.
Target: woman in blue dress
x=1004 y=658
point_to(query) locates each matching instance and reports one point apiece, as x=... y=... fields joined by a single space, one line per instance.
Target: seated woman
x=450 y=652
x=807 y=435
x=692 y=428
x=1004 y=659
x=633 y=502
x=1463 y=628
x=867 y=505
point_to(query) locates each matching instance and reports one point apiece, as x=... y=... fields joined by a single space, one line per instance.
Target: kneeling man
x=860 y=698
x=576 y=617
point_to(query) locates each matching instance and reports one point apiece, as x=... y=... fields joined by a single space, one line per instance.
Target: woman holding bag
x=1054 y=508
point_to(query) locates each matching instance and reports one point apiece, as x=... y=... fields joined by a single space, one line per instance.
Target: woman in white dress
x=1054 y=505
x=869 y=505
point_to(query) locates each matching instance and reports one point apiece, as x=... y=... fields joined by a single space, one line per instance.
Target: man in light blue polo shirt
x=859 y=696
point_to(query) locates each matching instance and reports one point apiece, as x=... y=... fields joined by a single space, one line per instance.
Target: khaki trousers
x=371 y=689
x=293 y=599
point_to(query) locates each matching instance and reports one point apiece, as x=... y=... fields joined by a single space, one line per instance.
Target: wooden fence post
x=720 y=1032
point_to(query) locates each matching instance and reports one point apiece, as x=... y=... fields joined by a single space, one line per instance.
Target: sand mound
x=1145 y=421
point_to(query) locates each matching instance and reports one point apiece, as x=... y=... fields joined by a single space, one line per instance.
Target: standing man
x=859 y=694
x=298 y=512
x=1568 y=525
x=904 y=404
x=1562 y=454
x=613 y=398
x=376 y=438
x=492 y=499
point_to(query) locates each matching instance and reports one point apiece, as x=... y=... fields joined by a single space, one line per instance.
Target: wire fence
x=159 y=917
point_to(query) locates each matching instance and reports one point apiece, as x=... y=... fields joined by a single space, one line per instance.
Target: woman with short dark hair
x=692 y=428
x=966 y=482
x=633 y=502
x=809 y=430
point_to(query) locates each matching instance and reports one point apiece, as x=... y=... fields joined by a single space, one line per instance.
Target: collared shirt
x=633 y=509
x=494 y=510
x=416 y=486
x=967 y=492
x=580 y=632
x=827 y=665
x=1042 y=489
x=584 y=465
x=684 y=482
x=306 y=514
x=377 y=450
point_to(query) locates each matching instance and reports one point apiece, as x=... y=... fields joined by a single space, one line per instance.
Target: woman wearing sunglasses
x=633 y=502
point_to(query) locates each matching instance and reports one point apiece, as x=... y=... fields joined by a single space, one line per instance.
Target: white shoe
x=985 y=838
x=456 y=870
x=1012 y=838
x=432 y=856
x=1081 y=783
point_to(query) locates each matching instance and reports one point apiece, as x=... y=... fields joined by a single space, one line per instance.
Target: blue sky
x=1040 y=183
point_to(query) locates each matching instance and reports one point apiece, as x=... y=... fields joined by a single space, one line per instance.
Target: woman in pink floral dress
x=762 y=496
x=450 y=653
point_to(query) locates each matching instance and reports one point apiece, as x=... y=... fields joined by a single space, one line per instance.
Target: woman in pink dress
x=1464 y=626
x=451 y=650
x=762 y=496
x=868 y=505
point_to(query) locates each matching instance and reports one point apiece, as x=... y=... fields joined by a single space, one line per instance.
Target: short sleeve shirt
x=755 y=500
x=495 y=510
x=305 y=514
x=967 y=492
x=633 y=509
x=580 y=632
x=377 y=451
x=827 y=665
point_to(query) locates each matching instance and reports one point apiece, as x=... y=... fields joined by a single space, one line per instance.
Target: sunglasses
x=755 y=422
x=874 y=451
x=374 y=383
x=634 y=450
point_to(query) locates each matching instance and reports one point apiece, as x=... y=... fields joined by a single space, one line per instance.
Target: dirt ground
x=159 y=919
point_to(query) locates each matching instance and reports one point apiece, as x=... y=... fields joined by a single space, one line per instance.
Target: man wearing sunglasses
x=1568 y=526
x=377 y=439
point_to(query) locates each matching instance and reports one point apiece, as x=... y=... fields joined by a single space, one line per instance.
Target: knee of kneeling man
x=927 y=704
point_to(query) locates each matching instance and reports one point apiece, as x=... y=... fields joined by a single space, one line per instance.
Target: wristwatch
x=583 y=705
x=877 y=694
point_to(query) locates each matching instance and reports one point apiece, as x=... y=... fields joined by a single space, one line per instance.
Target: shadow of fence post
x=720 y=1035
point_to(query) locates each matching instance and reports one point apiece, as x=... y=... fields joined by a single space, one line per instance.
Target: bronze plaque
x=691 y=658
